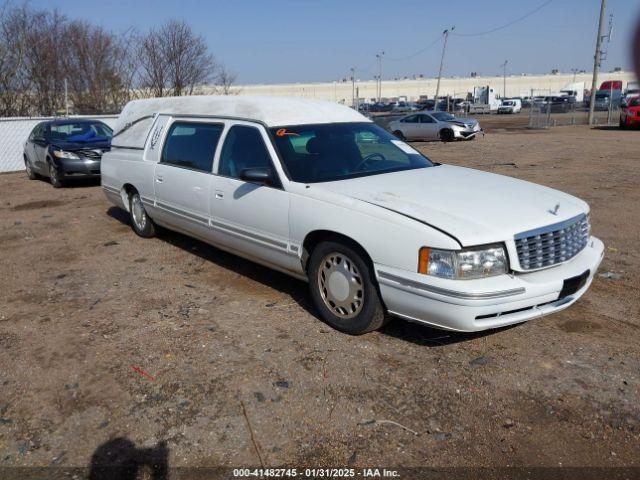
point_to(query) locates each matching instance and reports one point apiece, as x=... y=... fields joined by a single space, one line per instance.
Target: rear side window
x=243 y=148
x=191 y=145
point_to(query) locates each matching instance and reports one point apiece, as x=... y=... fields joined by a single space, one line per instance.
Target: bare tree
x=43 y=60
x=104 y=83
x=224 y=82
x=15 y=83
x=174 y=60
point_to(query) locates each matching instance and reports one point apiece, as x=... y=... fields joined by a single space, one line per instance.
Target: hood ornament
x=555 y=209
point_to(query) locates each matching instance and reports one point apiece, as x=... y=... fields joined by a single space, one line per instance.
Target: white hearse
x=318 y=191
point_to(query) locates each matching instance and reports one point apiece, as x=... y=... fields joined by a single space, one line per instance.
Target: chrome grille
x=553 y=244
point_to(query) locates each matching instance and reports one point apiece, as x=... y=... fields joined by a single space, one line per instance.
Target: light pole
x=504 y=79
x=379 y=89
x=353 y=87
x=444 y=47
x=574 y=71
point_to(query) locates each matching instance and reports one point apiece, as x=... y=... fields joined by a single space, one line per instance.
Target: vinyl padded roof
x=136 y=118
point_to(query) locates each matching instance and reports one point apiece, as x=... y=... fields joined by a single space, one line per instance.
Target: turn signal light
x=423 y=260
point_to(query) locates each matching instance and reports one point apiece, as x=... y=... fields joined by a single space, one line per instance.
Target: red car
x=630 y=113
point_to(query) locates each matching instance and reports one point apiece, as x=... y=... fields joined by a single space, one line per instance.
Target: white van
x=510 y=105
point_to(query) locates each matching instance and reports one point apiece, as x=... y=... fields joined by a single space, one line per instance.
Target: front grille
x=553 y=244
x=90 y=154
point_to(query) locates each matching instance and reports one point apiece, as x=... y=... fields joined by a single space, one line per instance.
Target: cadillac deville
x=316 y=190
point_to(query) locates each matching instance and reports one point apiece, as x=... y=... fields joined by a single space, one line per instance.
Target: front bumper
x=474 y=305
x=466 y=133
x=74 y=168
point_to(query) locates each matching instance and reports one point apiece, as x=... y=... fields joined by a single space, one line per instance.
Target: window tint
x=410 y=119
x=336 y=151
x=243 y=148
x=426 y=119
x=191 y=145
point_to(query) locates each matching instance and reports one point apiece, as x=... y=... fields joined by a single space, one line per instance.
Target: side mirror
x=261 y=175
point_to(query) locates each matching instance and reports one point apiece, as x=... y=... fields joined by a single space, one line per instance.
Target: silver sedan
x=432 y=125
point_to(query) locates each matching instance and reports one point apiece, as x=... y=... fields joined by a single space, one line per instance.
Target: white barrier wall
x=14 y=132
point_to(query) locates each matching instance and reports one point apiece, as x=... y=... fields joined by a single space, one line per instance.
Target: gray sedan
x=432 y=125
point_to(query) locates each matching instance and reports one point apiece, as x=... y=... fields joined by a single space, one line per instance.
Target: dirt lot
x=105 y=335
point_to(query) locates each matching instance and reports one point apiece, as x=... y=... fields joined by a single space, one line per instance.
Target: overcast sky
x=278 y=41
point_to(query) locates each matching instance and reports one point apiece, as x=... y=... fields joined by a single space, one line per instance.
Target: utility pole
x=504 y=79
x=379 y=89
x=444 y=47
x=596 y=62
x=66 y=97
x=353 y=87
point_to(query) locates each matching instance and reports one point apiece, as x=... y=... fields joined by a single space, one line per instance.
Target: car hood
x=71 y=146
x=474 y=207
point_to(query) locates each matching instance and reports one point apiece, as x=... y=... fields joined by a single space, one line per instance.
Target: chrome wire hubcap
x=138 y=213
x=341 y=285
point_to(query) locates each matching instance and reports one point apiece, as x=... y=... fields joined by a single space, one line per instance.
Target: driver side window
x=426 y=119
x=410 y=119
x=243 y=148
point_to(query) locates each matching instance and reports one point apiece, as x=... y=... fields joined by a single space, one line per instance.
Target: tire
x=345 y=267
x=141 y=222
x=446 y=135
x=30 y=173
x=54 y=178
x=400 y=135
x=623 y=124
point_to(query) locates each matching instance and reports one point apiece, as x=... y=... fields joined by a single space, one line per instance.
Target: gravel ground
x=172 y=346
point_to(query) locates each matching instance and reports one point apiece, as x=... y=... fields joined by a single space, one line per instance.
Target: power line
x=519 y=19
x=419 y=52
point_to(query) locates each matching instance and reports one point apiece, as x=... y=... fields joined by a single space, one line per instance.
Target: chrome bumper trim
x=394 y=279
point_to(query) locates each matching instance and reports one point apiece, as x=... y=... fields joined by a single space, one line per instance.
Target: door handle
x=219 y=194
x=159 y=179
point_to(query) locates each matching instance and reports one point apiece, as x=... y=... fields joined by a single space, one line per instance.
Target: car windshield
x=336 y=151
x=635 y=102
x=443 y=116
x=81 y=132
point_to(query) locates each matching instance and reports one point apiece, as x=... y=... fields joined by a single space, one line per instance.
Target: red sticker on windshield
x=283 y=131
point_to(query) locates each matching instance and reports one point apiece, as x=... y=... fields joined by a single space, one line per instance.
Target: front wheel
x=141 y=222
x=399 y=135
x=54 y=177
x=446 y=135
x=30 y=173
x=343 y=289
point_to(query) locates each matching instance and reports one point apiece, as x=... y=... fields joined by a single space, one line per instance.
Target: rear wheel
x=54 y=177
x=623 y=124
x=446 y=135
x=140 y=221
x=343 y=289
x=399 y=134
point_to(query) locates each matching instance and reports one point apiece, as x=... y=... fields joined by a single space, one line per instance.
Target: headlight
x=464 y=264
x=65 y=154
